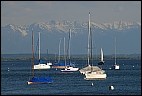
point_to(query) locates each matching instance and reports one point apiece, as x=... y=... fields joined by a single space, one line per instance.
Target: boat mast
x=59 y=50
x=39 y=47
x=68 y=49
x=101 y=55
x=64 y=52
x=69 y=43
x=89 y=40
x=115 y=50
x=32 y=54
x=91 y=49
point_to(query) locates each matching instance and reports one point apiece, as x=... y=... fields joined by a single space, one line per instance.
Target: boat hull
x=88 y=69
x=28 y=82
x=116 y=67
x=59 y=67
x=70 y=69
x=42 y=66
x=39 y=80
x=95 y=75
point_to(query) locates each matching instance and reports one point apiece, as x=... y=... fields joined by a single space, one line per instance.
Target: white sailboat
x=69 y=68
x=101 y=62
x=102 y=58
x=116 y=66
x=42 y=65
x=92 y=72
x=88 y=68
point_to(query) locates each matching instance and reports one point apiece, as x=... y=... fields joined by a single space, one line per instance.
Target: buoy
x=8 y=69
x=133 y=66
x=109 y=68
x=111 y=87
x=92 y=84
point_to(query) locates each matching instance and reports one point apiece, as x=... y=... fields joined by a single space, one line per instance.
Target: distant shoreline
x=13 y=57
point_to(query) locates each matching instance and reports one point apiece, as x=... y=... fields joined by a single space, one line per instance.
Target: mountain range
x=17 y=38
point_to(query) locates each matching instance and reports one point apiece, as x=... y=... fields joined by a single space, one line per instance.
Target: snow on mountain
x=21 y=29
x=128 y=33
x=66 y=25
x=119 y=25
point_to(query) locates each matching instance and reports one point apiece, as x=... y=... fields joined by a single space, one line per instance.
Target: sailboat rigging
x=59 y=50
x=69 y=67
x=41 y=65
x=92 y=72
x=37 y=80
x=116 y=66
x=59 y=64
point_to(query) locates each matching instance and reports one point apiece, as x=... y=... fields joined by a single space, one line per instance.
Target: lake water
x=126 y=81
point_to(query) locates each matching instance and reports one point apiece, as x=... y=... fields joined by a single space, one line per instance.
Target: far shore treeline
x=11 y=57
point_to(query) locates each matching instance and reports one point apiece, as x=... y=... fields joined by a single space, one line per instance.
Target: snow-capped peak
x=64 y=26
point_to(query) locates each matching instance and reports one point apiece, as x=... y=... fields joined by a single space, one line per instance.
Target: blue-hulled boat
x=37 y=80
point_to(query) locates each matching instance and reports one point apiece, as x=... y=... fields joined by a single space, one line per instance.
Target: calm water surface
x=126 y=81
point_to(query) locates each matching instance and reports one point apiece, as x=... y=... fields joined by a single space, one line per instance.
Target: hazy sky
x=28 y=12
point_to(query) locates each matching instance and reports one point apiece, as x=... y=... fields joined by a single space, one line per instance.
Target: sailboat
x=115 y=66
x=42 y=65
x=102 y=58
x=68 y=67
x=92 y=72
x=59 y=64
x=37 y=80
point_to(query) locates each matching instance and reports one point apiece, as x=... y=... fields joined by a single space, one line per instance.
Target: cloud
x=23 y=12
